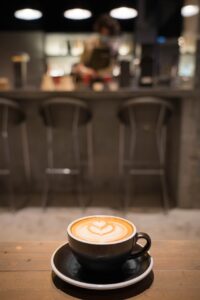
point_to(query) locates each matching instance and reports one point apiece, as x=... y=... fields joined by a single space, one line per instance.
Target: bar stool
x=67 y=113
x=11 y=115
x=146 y=115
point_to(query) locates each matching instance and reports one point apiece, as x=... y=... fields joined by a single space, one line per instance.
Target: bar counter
x=184 y=132
x=122 y=93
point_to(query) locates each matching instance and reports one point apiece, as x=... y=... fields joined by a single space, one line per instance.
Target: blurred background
x=99 y=114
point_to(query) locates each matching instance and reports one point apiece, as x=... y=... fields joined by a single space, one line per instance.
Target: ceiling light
x=124 y=13
x=189 y=10
x=77 y=14
x=28 y=14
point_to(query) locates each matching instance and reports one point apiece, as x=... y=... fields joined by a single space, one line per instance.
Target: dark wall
x=33 y=44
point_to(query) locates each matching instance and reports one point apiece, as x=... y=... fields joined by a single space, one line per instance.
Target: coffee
x=102 y=243
x=102 y=229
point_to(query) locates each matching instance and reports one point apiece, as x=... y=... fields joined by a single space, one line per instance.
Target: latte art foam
x=101 y=230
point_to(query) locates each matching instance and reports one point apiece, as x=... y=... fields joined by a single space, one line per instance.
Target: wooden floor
x=25 y=274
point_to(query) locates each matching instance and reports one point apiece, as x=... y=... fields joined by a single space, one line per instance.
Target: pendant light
x=28 y=14
x=123 y=13
x=77 y=14
x=124 y=10
x=28 y=11
x=189 y=10
x=77 y=11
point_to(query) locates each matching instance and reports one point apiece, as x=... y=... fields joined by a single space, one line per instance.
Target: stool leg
x=77 y=161
x=79 y=190
x=25 y=145
x=165 y=193
x=132 y=145
x=132 y=137
x=163 y=179
x=90 y=160
x=121 y=149
x=26 y=157
x=46 y=191
x=89 y=133
x=121 y=166
x=7 y=155
x=77 y=157
x=127 y=192
x=161 y=137
x=11 y=191
x=50 y=164
x=162 y=148
x=8 y=161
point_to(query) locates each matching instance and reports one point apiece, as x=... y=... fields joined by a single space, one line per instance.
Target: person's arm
x=82 y=70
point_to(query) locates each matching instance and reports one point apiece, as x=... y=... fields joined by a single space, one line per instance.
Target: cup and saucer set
x=103 y=253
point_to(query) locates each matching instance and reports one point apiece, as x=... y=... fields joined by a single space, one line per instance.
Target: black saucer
x=66 y=267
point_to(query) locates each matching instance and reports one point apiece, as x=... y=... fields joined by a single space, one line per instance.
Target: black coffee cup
x=110 y=256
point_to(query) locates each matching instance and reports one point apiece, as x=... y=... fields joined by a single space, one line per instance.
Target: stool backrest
x=147 y=112
x=11 y=114
x=62 y=112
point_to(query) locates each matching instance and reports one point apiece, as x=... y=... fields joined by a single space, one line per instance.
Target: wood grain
x=25 y=274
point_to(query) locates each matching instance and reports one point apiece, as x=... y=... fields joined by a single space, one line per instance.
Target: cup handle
x=144 y=236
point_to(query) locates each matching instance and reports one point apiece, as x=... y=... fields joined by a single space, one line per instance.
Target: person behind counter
x=100 y=53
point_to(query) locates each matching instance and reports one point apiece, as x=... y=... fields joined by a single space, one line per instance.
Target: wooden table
x=25 y=274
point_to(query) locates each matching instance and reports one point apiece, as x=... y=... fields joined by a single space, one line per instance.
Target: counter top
x=31 y=94
x=25 y=273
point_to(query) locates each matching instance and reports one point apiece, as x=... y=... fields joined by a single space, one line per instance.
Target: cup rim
x=93 y=243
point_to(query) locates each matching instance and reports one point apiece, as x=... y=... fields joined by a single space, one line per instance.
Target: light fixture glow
x=77 y=14
x=77 y=51
x=124 y=50
x=28 y=14
x=181 y=41
x=56 y=73
x=116 y=71
x=67 y=171
x=189 y=10
x=123 y=13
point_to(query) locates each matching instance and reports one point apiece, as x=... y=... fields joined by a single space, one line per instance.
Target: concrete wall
x=189 y=172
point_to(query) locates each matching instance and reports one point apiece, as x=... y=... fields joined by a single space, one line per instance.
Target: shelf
x=61 y=56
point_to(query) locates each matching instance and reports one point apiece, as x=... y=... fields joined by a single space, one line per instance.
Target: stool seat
x=11 y=113
x=55 y=114
x=144 y=102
